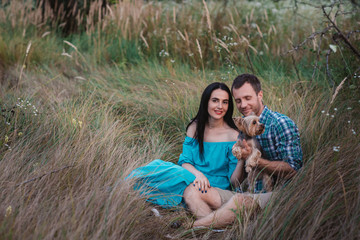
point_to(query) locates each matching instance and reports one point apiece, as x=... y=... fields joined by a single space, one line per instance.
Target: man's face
x=247 y=100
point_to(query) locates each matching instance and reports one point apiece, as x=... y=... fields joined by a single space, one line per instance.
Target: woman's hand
x=201 y=182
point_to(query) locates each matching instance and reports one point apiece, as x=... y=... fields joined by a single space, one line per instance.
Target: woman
x=206 y=160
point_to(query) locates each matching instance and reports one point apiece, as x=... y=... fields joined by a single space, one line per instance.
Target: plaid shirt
x=280 y=141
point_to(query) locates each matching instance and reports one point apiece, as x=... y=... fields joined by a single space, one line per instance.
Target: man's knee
x=242 y=201
x=238 y=198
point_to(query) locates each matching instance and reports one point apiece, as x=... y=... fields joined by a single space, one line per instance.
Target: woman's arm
x=238 y=175
x=201 y=180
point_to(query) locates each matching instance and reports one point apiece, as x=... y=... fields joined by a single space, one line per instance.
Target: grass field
x=81 y=110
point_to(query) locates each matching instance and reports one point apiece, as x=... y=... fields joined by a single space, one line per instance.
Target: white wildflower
x=163 y=53
x=336 y=148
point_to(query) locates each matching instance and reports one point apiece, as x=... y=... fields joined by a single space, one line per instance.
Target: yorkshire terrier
x=250 y=127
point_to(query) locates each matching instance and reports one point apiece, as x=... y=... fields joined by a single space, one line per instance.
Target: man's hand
x=245 y=150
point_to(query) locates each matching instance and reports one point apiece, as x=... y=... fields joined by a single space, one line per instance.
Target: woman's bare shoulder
x=191 y=130
x=232 y=134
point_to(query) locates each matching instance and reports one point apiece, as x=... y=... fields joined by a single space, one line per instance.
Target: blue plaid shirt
x=280 y=141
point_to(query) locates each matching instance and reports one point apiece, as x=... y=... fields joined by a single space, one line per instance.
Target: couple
x=208 y=157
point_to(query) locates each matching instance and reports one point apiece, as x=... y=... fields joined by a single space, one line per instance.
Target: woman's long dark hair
x=202 y=116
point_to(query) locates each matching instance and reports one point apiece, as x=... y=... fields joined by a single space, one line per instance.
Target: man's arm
x=278 y=168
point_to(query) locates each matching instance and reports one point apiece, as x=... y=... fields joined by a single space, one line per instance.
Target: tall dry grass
x=120 y=95
x=228 y=35
x=64 y=177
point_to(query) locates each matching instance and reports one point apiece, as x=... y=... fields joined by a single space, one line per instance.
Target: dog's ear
x=252 y=114
x=239 y=122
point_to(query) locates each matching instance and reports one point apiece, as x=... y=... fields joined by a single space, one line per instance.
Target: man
x=282 y=158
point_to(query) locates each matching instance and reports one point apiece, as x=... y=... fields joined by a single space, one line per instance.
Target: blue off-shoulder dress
x=163 y=183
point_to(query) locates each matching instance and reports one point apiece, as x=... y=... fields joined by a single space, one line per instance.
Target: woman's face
x=218 y=104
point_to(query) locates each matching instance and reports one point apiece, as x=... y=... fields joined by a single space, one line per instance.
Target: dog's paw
x=248 y=169
x=236 y=151
x=252 y=162
x=257 y=155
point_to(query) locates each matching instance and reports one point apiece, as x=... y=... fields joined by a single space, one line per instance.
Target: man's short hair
x=240 y=80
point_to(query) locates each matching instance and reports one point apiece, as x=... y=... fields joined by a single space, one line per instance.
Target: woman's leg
x=227 y=213
x=201 y=204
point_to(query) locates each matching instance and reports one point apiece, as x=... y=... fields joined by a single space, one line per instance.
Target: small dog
x=250 y=127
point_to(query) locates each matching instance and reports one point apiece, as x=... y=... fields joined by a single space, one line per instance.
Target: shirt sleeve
x=187 y=154
x=288 y=145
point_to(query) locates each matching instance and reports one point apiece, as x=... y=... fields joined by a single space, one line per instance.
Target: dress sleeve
x=288 y=143
x=232 y=161
x=187 y=154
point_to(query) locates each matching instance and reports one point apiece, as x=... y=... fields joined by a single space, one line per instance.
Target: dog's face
x=250 y=125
